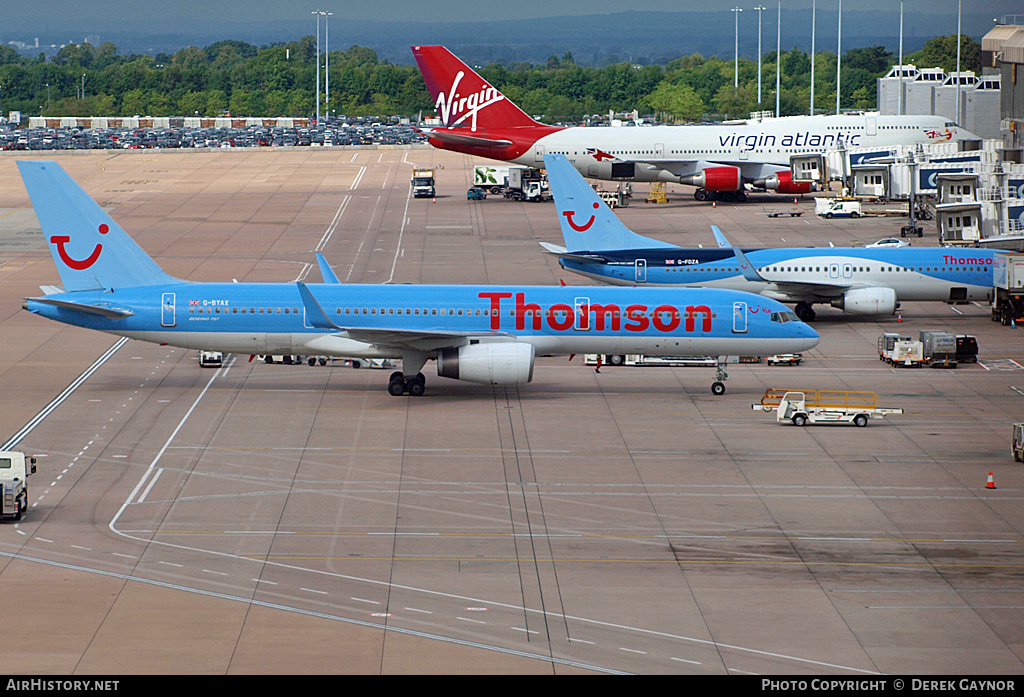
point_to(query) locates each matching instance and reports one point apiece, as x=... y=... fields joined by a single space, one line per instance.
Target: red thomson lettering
x=522 y=307
x=663 y=311
x=691 y=315
x=637 y=318
x=599 y=314
x=495 y=299
x=561 y=325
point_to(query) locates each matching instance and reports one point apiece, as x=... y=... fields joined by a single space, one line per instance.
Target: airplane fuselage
x=271 y=318
x=946 y=273
x=665 y=153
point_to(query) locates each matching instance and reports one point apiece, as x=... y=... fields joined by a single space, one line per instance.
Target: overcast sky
x=76 y=16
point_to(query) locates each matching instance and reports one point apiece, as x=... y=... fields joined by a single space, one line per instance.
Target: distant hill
x=640 y=37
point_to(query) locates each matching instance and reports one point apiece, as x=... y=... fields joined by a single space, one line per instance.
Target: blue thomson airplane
x=481 y=334
x=857 y=280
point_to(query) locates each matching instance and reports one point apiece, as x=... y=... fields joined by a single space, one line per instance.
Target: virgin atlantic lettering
x=562 y=317
x=789 y=140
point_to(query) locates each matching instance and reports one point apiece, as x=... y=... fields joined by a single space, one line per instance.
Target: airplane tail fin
x=463 y=98
x=91 y=251
x=588 y=224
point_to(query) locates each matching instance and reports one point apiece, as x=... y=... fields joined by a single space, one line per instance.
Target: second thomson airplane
x=857 y=280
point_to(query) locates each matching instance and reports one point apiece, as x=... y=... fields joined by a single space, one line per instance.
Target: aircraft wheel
x=741 y=196
x=396 y=388
x=700 y=195
x=718 y=388
x=416 y=386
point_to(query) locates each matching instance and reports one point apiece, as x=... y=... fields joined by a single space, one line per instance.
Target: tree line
x=279 y=80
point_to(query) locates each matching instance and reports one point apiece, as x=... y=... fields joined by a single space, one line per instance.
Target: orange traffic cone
x=991 y=484
x=899 y=317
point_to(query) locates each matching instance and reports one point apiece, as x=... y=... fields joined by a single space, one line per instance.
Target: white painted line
x=59 y=399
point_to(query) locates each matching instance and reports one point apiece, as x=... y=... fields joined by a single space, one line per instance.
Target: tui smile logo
x=579 y=228
x=78 y=265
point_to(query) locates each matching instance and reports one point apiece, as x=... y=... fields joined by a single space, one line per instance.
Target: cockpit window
x=783 y=317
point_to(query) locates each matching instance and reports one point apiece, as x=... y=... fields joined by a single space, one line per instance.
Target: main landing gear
x=721 y=375
x=805 y=311
x=399 y=385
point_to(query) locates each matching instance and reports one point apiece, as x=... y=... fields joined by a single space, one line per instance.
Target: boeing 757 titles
x=857 y=280
x=721 y=160
x=481 y=334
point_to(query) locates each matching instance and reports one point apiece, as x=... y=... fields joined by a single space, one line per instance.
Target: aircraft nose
x=807 y=336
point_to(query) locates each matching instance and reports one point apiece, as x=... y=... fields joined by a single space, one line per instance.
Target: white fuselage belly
x=333 y=345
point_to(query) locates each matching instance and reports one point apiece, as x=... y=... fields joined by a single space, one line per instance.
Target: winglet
x=326 y=272
x=720 y=238
x=588 y=224
x=314 y=313
x=748 y=270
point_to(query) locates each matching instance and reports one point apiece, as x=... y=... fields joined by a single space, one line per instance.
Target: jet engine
x=715 y=179
x=782 y=182
x=489 y=363
x=867 y=301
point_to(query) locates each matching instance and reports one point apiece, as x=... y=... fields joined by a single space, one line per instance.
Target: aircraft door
x=167 y=310
x=871 y=127
x=641 y=271
x=739 y=318
x=538 y=154
x=833 y=270
x=847 y=271
x=582 y=306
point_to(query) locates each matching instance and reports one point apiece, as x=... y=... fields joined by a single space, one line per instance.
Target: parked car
x=889 y=242
x=475 y=193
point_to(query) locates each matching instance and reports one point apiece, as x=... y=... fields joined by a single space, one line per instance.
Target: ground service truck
x=15 y=467
x=1008 y=278
x=490 y=177
x=900 y=351
x=939 y=348
x=527 y=184
x=423 y=183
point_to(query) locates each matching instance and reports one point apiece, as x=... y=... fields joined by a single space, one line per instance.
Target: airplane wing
x=797 y=290
x=419 y=340
x=105 y=311
x=460 y=139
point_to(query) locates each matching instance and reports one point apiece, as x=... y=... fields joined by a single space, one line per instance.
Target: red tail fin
x=463 y=98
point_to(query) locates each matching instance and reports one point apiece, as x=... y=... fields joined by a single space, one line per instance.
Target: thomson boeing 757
x=857 y=280
x=481 y=334
x=720 y=159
